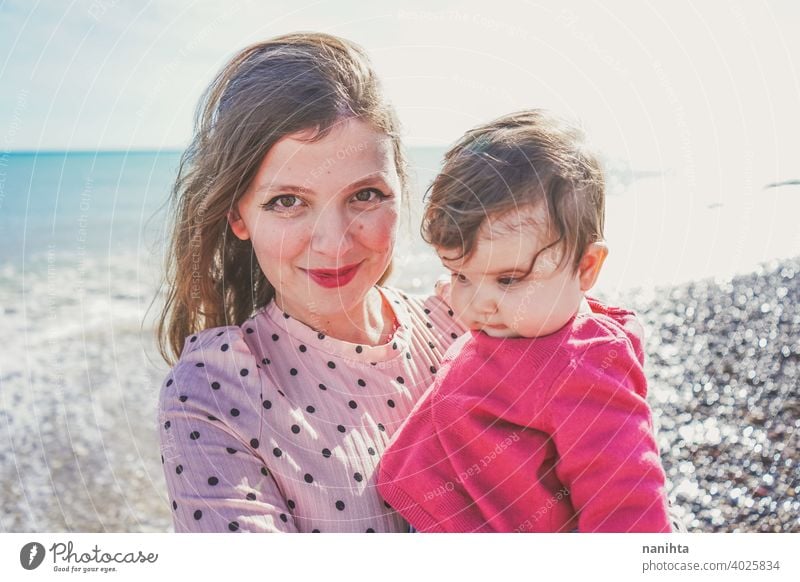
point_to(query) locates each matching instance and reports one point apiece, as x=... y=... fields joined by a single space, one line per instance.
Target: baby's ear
x=237 y=225
x=591 y=263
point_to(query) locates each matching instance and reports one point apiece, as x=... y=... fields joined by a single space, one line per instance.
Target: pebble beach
x=723 y=362
x=79 y=442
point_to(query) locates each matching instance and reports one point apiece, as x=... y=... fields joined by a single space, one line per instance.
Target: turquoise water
x=80 y=260
x=100 y=203
x=82 y=241
x=96 y=202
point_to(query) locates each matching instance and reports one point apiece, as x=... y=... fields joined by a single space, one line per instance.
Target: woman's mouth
x=330 y=278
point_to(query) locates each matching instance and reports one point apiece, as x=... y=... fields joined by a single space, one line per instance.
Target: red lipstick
x=332 y=278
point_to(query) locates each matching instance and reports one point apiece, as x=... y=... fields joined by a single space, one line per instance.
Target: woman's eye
x=284 y=202
x=367 y=195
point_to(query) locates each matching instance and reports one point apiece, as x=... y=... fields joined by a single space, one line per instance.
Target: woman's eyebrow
x=294 y=189
x=367 y=180
x=283 y=189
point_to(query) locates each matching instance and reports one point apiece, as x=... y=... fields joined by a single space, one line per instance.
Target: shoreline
x=80 y=450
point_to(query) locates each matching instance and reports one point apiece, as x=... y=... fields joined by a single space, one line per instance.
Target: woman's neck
x=371 y=322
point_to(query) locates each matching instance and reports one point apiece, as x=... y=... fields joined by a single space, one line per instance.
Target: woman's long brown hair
x=267 y=91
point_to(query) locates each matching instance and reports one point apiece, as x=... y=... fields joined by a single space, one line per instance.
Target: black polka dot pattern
x=328 y=394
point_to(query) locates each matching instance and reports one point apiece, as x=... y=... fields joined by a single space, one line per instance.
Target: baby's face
x=488 y=292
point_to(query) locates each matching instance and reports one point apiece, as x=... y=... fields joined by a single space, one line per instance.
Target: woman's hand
x=442 y=288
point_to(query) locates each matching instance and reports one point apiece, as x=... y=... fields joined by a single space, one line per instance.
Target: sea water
x=82 y=236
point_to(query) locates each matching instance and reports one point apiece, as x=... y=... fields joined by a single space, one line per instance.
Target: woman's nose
x=331 y=233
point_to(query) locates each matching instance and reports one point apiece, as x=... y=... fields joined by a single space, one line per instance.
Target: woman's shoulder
x=213 y=359
x=430 y=310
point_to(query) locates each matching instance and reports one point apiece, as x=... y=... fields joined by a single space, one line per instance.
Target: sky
x=704 y=96
x=673 y=86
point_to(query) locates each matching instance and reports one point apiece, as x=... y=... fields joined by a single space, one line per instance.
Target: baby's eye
x=283 y=202
x=507 y=281
x=366 y=195
x=459 y=277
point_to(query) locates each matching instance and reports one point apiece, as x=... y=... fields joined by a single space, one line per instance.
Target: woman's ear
x=591 y=263
x=237 y=225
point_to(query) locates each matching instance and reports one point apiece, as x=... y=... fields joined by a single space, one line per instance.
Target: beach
x=80 y=374
x=723 y=367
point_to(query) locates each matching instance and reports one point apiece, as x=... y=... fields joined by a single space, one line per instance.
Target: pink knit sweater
x=542 y=435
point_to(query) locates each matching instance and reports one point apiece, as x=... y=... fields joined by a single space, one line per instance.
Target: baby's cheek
x=458 y=302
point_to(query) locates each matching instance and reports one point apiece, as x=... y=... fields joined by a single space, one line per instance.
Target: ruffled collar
x=273 y=324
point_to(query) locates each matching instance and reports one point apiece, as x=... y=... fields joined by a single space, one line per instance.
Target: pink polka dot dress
x=272 y=426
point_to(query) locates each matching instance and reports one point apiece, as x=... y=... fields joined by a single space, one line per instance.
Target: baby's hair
x=516 y=162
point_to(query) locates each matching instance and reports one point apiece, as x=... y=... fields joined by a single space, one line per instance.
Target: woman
x=295 y=364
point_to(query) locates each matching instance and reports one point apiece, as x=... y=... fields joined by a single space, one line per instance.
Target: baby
x=537 y=420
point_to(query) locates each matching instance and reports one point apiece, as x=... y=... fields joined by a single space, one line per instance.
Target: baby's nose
x=484 y=304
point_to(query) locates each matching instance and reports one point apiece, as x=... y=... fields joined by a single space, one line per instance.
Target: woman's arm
x=209 y=416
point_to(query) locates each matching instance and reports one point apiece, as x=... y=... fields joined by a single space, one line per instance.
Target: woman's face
x=322 y=218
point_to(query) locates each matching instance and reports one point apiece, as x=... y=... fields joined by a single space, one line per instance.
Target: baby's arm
x=608 y=457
